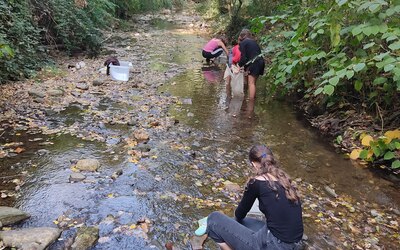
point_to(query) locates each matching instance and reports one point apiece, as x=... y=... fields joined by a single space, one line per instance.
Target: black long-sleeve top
x=284 y=218
x=249 y=49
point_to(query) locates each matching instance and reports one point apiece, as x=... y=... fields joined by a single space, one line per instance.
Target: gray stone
x=88 y=165
x=76 y=177
x=30 y=238
x=55 y=92
x=10 y=215
x=85 y=238
x=36 y=93
x=98 y=82
x=82 y=85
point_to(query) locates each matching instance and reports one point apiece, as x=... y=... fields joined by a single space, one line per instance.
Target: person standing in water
x=214 y=48
x=251 y=60
x=278 y=201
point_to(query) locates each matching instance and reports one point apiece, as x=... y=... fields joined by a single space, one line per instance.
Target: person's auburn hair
x=263 y=155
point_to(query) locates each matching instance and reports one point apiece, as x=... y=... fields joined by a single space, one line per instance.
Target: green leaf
x=320 y=31
x=377 y=151
x=341 y=2
x=334 y=80
x=389 y=155
x=395 y=46
x=396 y=164
x=374 y=7
x=329 y=89
x=335 y=35
x=358 y=67
x=388 y=67
x=330 y=73
x=349 y=74
x=380 y=56
x=318 y=91
x=379 y=80
x=369 y=45
x=397 y=145
x=364 y=154
x=358 y=85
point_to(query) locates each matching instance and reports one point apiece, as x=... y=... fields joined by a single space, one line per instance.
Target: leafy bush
x=19 y=41
x=384 y=148
x=347 y=51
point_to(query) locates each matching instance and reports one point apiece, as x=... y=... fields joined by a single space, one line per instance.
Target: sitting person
x=278 y=201
x=214 y=48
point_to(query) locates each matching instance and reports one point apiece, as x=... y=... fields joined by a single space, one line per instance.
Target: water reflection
x=212 y=74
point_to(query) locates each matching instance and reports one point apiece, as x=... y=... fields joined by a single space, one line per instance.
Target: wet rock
x=144 y=147
x=141 y=135
x=10 y=215
x=197 y=242
x=80 y=65
x=82 y=86
x=190 y=114
x=30 y=238
x=38 y=100
x=42 y=152
x=196 y=144
x=97 y=82
x=85 y=238
x=116 y=174
x=55 y=92
x=232 y=187
x=36 y=93
x=88 y=165
x=187 y=101
x=330 y=191
x=75 y=93
x=75 y=177
x=132 y=122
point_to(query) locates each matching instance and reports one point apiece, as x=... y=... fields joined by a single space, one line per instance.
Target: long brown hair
x=245 y=33
x=263 y=155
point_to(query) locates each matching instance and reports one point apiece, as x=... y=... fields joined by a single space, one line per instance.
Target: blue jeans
x=223 y=229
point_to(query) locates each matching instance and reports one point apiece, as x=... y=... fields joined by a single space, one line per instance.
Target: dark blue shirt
x=284 y=218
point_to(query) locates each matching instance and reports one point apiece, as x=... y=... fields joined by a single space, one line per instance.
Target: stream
x=198 y=140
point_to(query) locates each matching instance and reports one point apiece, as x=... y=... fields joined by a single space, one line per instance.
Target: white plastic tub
x=121 y=72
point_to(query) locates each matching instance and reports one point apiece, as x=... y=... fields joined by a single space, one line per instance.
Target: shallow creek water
x=207 y=146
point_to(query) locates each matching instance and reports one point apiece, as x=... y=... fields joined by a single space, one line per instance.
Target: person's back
x=249 y=50
x=211 y=45
x=284 y=218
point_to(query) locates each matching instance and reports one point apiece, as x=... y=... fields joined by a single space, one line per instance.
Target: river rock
x=30 y=238
x=55 y=92
x=10 y=215
x=88 y=165
x=141 y=135
x=85 y=238
x=36 y=93
x=76 y=177
x=97 y=82
x=82 y=86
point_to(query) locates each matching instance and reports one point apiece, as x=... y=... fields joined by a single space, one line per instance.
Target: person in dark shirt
x=251 y=60
x=278 y=201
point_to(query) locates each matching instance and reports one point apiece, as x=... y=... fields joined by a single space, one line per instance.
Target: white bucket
x=121 y=72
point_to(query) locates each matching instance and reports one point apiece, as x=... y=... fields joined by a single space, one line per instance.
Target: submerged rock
x=85 y=238
x=30 y=238
x=88 y=165
x=10 y=215
x=76 y=177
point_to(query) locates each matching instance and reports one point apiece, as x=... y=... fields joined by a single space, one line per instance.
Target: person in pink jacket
x=214 y=48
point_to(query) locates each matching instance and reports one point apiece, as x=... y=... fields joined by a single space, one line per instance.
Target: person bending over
x=214 y=48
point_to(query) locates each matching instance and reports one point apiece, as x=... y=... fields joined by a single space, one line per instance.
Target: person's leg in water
x=252 y=86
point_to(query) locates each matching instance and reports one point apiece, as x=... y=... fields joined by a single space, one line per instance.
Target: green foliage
x=342 y=49
x=19 y=41
x=384 y=148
